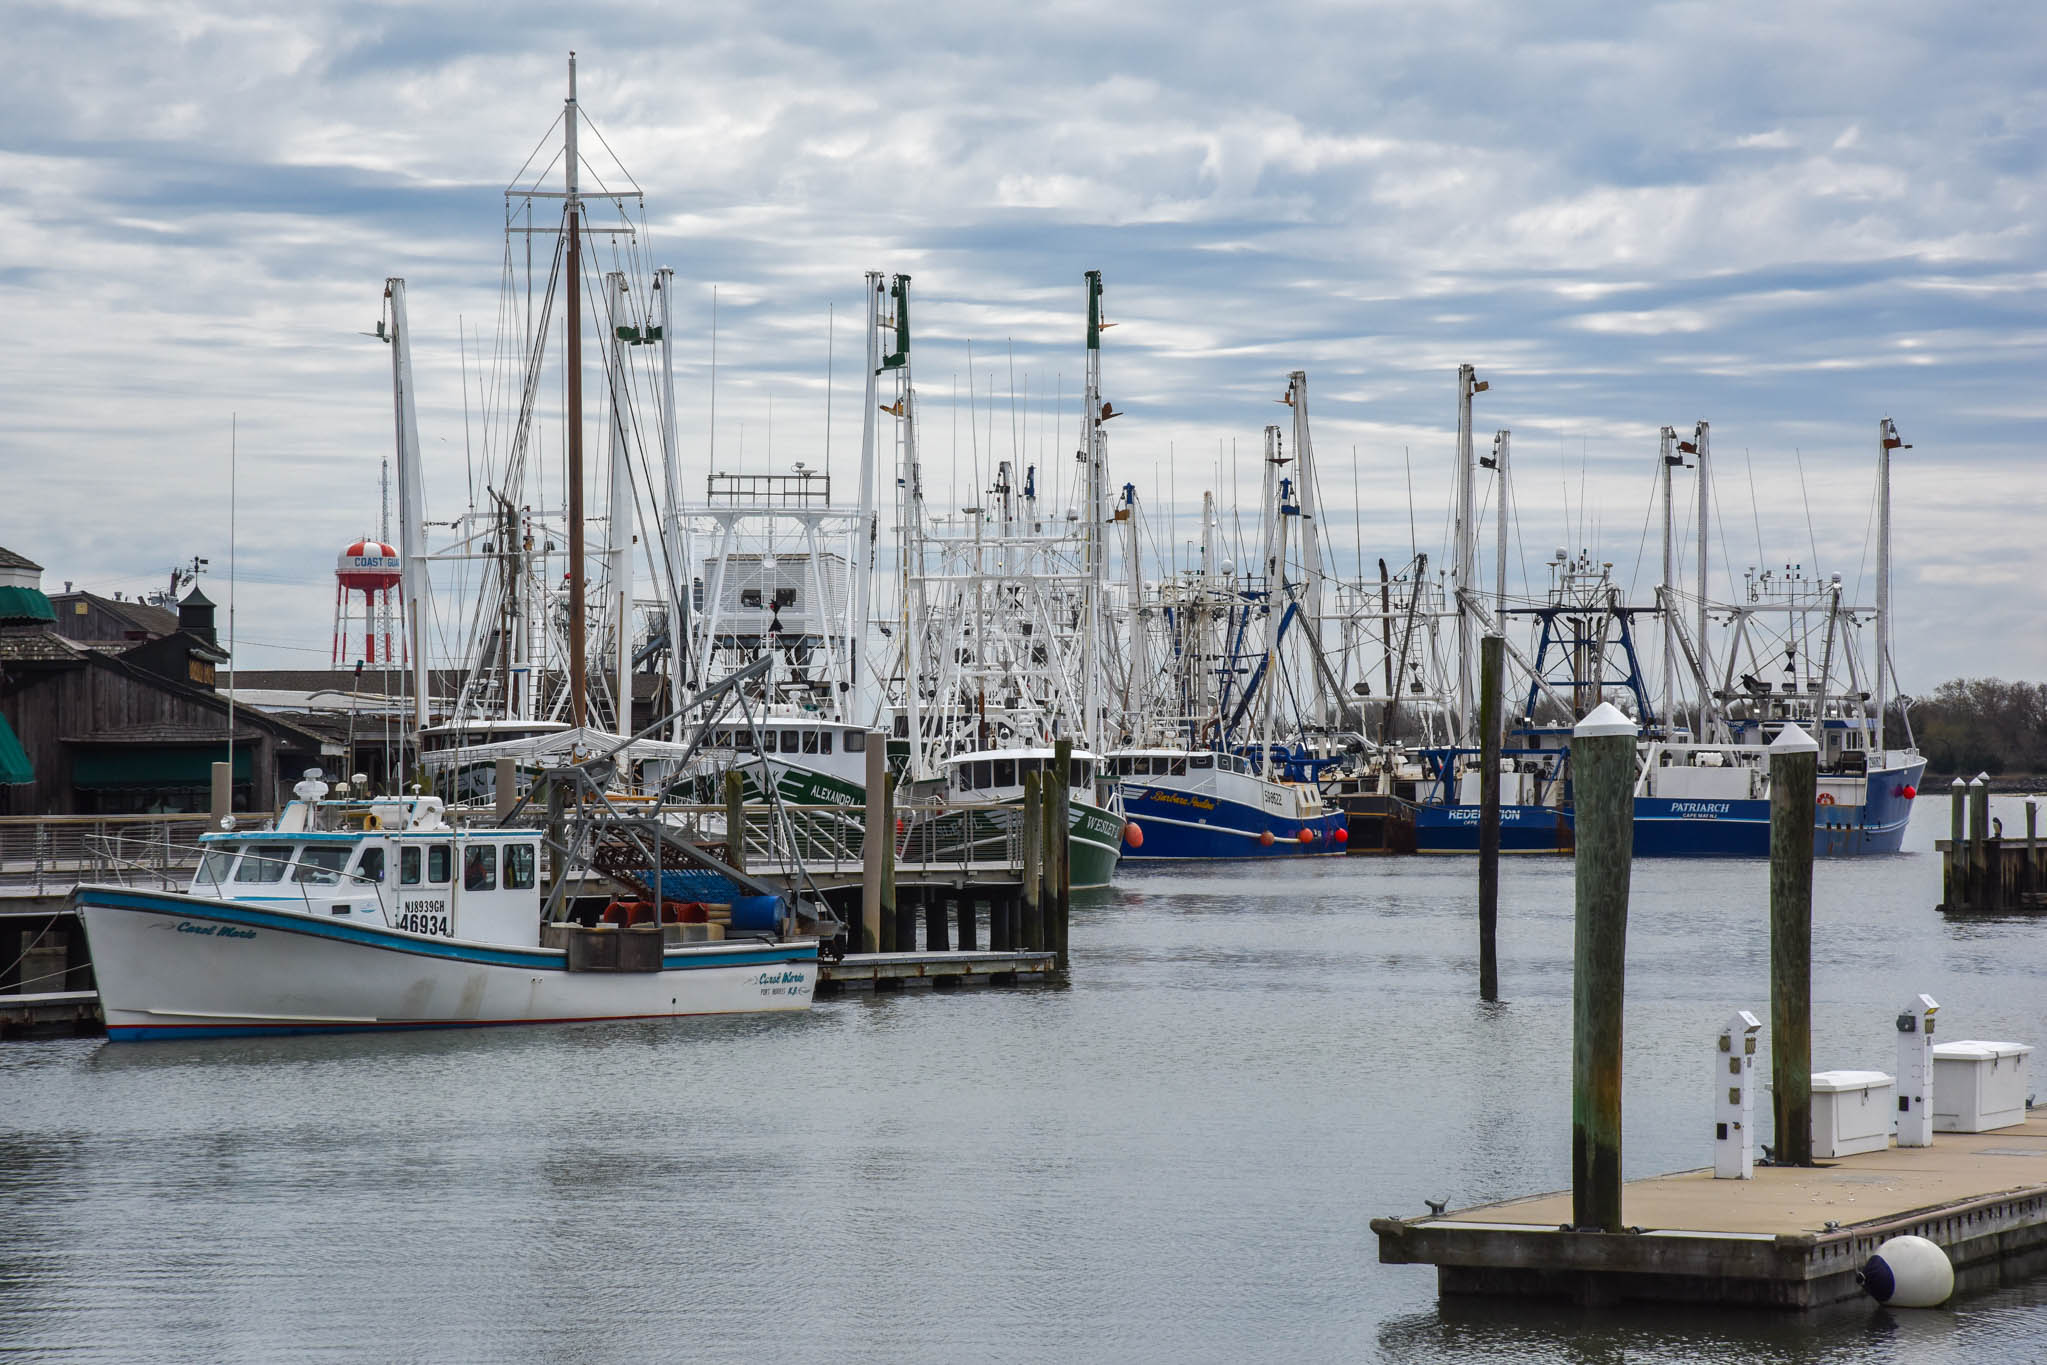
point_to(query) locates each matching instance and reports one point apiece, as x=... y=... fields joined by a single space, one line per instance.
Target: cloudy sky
x=1789 y=220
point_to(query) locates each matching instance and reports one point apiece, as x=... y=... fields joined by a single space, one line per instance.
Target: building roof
x=10 y=560
x=43 y=646
x=142 y=616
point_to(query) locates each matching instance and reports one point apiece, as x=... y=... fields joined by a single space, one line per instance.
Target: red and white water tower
x=369 y=569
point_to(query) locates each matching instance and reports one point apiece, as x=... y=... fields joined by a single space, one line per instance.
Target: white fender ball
x=1908 y=1272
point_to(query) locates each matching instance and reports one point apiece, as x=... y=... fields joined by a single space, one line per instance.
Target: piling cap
x=1958 y=783
x=1792 y=740
x=1605 y=719
x=1979 y=780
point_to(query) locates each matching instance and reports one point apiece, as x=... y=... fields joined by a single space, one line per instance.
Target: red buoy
x=1132 y=835
x=1307 y=836
x=1342 y=836
x=1266 y=838
x=1908 y=791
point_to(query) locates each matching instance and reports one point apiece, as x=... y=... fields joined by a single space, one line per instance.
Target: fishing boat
x=1200 y=804
x=352 y=915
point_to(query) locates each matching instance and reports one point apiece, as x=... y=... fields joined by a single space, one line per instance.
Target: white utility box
x=1851 y=1112
x=1978 y=1086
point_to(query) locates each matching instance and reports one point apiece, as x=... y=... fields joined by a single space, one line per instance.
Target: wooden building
x=113 y=726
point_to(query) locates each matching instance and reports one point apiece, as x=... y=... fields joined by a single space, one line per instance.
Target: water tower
x=370 y=569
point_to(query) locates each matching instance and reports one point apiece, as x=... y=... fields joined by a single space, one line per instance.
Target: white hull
x=185 y=966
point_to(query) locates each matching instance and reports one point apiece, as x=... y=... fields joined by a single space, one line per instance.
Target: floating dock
x=1793 y=1237
x=892 y=971
x=51 y=1014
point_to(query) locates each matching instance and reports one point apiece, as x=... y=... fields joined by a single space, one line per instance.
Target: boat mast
x=1097 y=412
x=676 y=575
x=1465 y=568
x=572 y=208
x=411 y=506
x=619 y=524
x=1275 y=581
x=1668 y=460
x=1311 y=541
x=869 y=529
x=1702 y=449
x=1888 y=440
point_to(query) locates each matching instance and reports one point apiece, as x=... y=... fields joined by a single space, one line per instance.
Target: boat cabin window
x=768 y=742
x=440 y=863
x=480 y=868
x=519 y=864
x=1201 y=761
x=214 y=867
x=1079 y=776
x=742 y=741
x=320 y=866
x=408 y=865
x=856 y=742
x=790 y=743
x=810 y=741
x=1005 y=772
x=984 y=774
x=369 y=865
x=264 y=863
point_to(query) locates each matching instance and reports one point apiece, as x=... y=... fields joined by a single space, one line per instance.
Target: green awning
x=18 y=604
x=156 y=766
x=15 y=769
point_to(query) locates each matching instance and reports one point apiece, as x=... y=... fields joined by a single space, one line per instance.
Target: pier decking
x=1793 y=1237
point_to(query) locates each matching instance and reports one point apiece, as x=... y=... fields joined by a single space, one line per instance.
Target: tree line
x=1972 y=725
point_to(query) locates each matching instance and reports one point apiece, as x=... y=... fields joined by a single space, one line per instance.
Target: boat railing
x=164 y=866
x=928 y=834
x=46 y=855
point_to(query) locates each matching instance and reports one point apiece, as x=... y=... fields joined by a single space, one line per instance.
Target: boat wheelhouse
x=988 y=786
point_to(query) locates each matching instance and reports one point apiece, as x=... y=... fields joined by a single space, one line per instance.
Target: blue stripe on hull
x=291 y=922
x=1228 y=829
x=1523 y=829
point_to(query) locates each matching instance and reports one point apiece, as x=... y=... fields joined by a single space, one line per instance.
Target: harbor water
x=1173 y=1158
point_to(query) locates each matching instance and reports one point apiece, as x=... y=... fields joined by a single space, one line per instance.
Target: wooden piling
x=222 y=795
x=936 y=909
x=894 y=938
x=1794 y=784
x=968 y=937
x=1032 y=928
x=874 y=843
x=735 y=819
x=1983 y=887
x=1059 y=847
x=505 y=787
x=1603 y=790
x=1954 y=868
x=1490 y=664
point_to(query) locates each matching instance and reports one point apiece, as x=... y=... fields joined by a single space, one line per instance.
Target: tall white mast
x=676 y=574
x=411 y=505
x=1275 y=580
x=1888 y=440
x=1667 y=460
x=1092 y=455
x=1701 y=438
x=1466 y=550
x=618 y=552
x=1311 y=541
x=572 y=218
x=1503 y=440
x=870 y=522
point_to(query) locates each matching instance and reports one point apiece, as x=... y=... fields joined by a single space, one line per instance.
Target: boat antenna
x=233 y=441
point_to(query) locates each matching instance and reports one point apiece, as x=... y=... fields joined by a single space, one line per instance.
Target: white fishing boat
x=351 y=915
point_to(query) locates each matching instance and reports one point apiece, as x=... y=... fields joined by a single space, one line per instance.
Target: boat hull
x=1677 y=827
x=1182 y=826
x=175 y=966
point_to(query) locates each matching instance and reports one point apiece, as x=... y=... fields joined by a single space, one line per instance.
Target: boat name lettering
x=1700 y=810
x=1178 y=799
x=785 y=982
x=186 y=926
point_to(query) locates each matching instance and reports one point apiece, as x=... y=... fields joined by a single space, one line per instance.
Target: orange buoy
x=1307 y=836
x=1266 y=838
x=1132 y=835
